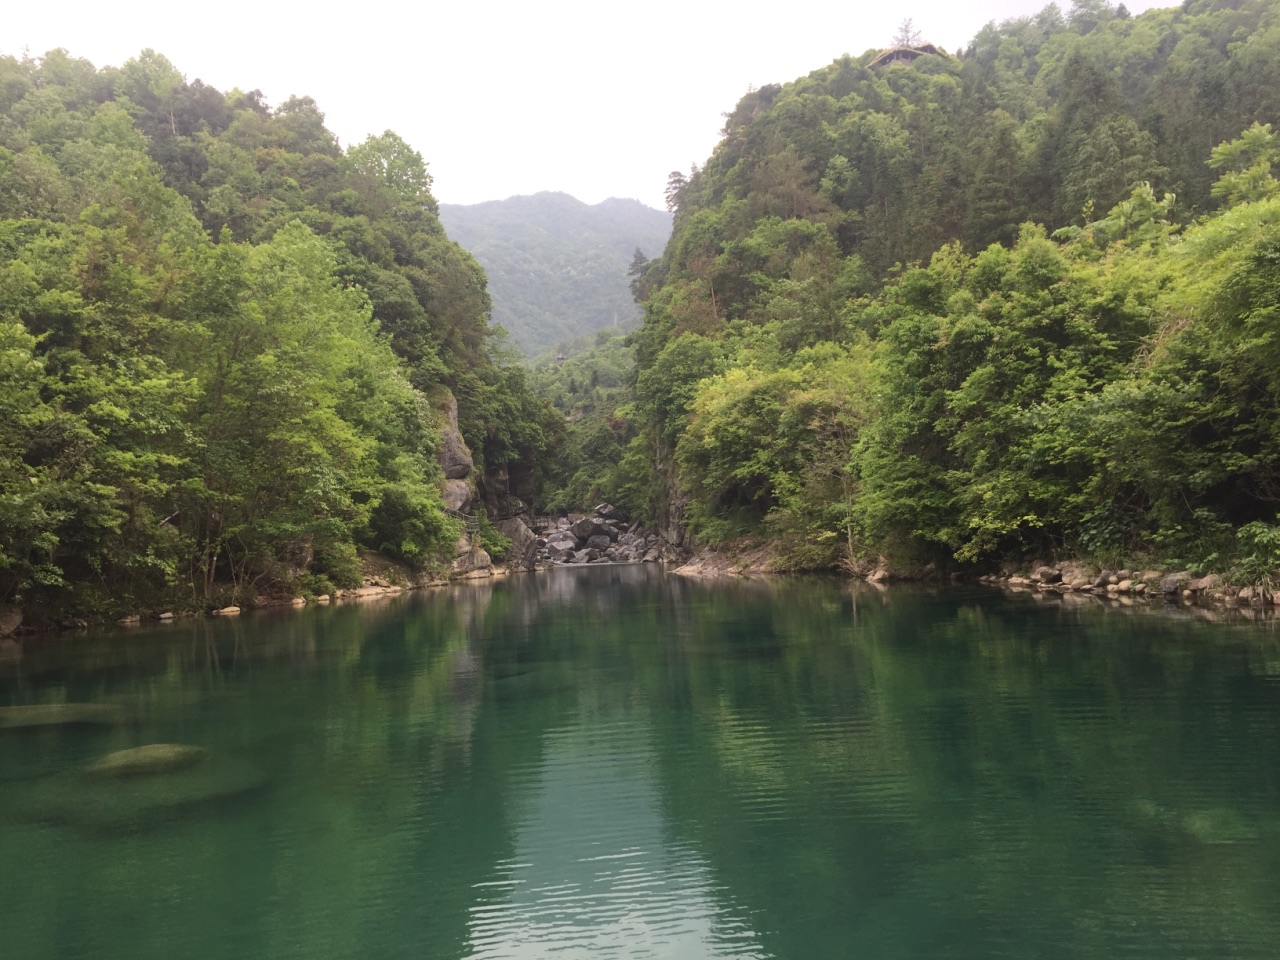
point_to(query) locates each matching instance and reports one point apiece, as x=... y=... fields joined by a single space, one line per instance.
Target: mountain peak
x=557 y=266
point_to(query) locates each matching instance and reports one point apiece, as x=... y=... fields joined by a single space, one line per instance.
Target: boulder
x=1173 y=583
x=1074 y=570
x=1046 y=575
x=599 y=542
x=1200 y=584
x=227 y=612
x=10 y=618
x=474 y=560
x=1249 y=594
x=523 y=552
x=588 y=527
x=147 y=760
x=608 y=511
x=457 y=495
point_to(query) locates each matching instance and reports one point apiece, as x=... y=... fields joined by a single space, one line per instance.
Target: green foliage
x=217 y=336
x=771 y=447
x=1259 y=547
x=1246 y=165
x=490 y=538
x=600 y=455
x=894 y=318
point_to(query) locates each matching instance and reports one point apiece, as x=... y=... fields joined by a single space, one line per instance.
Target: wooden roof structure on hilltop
x=906 y=54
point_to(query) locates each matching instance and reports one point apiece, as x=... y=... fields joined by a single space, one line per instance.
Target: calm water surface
x=616 y=763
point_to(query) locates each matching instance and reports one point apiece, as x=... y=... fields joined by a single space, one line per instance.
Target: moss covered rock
x=153 y=758
x=54 y=714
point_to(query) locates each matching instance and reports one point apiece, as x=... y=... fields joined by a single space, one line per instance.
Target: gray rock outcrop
x=604 y=537
x=523 y=552
x=471 y=563
x=455 y=455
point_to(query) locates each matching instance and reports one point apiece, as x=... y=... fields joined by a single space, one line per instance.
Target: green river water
x=616 y=762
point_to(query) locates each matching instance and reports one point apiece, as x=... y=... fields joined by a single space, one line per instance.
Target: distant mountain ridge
x=557 y=266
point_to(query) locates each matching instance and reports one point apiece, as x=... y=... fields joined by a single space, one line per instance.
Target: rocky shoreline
x=1076 y=577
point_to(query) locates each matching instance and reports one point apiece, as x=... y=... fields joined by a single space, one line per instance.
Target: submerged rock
x=1220 y=825
x=153 y=758
x=54 y=714
x=93 y=802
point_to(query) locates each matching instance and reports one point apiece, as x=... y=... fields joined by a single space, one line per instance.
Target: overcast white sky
x=594 y=98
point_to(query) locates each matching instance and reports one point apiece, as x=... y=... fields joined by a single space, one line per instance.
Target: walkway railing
x=469 y=523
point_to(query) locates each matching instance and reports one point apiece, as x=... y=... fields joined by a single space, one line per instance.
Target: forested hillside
x=226 y=344
x=557 y=267
x=1022 y=299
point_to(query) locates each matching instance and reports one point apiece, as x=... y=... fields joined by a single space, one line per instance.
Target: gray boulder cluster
x=604 y=537
x=1078 y=577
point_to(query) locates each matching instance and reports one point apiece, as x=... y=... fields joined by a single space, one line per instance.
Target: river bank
x=1075 y=579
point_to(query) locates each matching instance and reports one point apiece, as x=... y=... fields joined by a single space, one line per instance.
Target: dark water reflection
x=614 y=763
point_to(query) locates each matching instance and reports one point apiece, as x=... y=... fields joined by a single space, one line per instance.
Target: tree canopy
x=1016 y=301
x=224 y=343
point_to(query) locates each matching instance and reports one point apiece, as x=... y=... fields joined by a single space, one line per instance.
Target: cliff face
x=455 y=460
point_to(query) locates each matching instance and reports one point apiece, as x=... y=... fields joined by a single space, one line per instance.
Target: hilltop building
x=906 y=55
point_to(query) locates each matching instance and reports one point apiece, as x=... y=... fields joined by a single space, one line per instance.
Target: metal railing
x=470 y=523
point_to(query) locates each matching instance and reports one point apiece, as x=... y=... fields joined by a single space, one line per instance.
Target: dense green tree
x=219 y=336
x=1052 y=258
